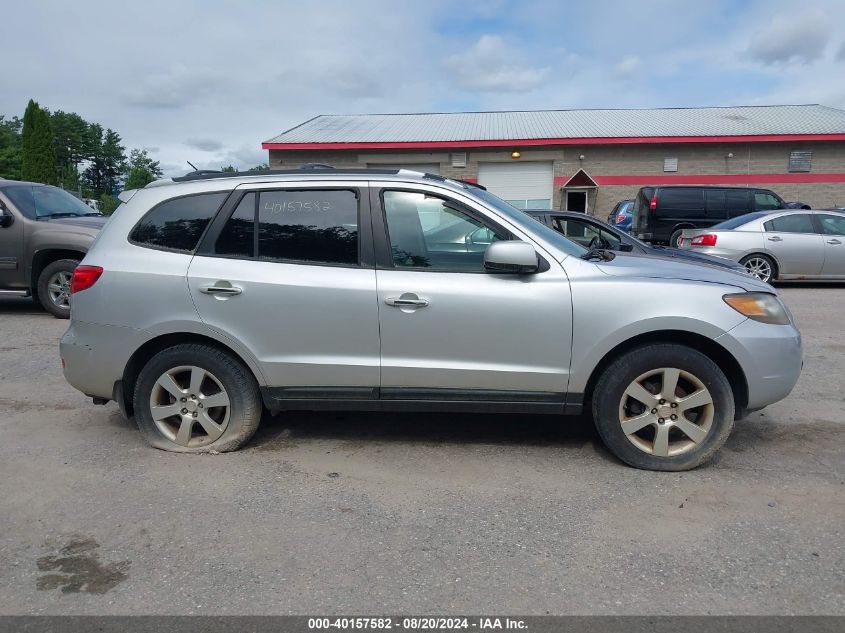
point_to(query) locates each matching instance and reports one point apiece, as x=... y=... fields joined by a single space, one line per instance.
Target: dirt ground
x=396 y=513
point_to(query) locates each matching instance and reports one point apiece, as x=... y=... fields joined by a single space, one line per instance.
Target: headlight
x=760 y=306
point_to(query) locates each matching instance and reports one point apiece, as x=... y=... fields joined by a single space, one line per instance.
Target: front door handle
x=834 y=241
x=221 y=290
x=406 y=300
x=775 y=238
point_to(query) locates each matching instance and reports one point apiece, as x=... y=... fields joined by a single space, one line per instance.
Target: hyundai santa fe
x=209 y=298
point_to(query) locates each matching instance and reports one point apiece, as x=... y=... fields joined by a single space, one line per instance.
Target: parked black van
x=661 y=213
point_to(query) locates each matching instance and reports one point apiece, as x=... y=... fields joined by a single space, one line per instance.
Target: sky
x=208 y=81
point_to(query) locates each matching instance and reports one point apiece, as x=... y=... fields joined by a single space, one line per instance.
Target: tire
x=760 y=266
x=638 y=445
x=674 y=240
x=220 y=428
x=53 y=289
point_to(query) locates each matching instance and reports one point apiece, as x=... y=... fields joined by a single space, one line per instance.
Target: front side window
x=430 y=232
x=586 y=234
x=832 y=224
x=766 y=201
x=799 y=223
x=310 y=226
x=179 y=223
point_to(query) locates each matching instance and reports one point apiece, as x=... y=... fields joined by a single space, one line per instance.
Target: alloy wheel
x=58 y=286
x=190 y=406
x=666 y=412
x=759 y=268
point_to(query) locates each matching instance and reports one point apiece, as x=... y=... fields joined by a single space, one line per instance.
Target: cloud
x=489 y=67
x=204 y=144
x=840 y=54
x=799 y=38
x=627 y=68
x=174 y=88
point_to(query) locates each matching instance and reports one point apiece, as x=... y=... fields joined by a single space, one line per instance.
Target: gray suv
x=212 y=297
x=44 y=233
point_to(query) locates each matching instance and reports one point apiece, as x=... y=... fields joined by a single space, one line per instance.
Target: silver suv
x=210 y=297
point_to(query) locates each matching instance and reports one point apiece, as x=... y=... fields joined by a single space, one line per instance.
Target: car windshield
x=527 y=222
x=44 y=201
x=740 y=220
x=52 y=201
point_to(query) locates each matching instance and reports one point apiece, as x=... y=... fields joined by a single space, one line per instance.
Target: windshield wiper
x=92 y=215
x=58 y=215
x=600 y=254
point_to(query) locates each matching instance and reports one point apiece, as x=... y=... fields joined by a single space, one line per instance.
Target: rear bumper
x=770 y=357
x=715 y=251
x=94 y=356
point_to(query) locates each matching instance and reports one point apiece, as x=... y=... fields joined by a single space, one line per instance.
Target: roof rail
x=209 y=175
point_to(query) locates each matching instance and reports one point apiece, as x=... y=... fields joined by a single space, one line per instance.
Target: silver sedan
x=788 y=244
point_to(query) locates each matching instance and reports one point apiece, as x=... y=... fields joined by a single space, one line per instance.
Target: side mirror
x=512 y=257
x=6 y=218
x=625 y=248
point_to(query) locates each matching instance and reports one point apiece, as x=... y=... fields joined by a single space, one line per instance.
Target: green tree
x=261 y=167
x=228 y=169
x=108 y=203
x=71 y=143
x=108 y=162
x=38 y=158
x=142 y=170
x=10 y=148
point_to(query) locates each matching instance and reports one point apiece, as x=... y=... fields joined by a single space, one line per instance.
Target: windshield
x=527 y=222
x=740 y=220
x=51 y=201
x=44 y=201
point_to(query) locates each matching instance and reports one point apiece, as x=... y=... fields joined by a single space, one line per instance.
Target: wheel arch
x=46 y=256
x=125 y=387
x=707 y=346
x=767 y=255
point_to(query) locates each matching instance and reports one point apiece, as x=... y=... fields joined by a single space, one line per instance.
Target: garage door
x=428 y=168
x=525 y=185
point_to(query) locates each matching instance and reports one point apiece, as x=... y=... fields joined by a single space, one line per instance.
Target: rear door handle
x=834 y=241
x=407 y=300
x=775 y=238
x=221 y=290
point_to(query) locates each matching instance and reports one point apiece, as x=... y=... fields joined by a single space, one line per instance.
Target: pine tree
x=142 y=169
x=38 y=157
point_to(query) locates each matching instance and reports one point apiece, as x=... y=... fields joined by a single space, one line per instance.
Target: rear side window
x=740 y=221
x=680 y=203
x=737 y=202
x=177 y=224
x=311 y=226
x=799 y=223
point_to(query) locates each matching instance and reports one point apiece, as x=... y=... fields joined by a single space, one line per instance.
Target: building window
x=800 y=160
x=670 y=164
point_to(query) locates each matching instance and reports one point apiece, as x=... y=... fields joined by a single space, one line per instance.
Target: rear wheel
x=759 y=266
x=195 y=398
x=663 y=407
x=54 y=287
x=675 y=239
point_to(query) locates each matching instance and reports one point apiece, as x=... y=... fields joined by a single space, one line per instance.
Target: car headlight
x=759 y=306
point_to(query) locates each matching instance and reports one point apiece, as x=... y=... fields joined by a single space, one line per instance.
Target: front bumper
x=770 y=357
x=94 y=356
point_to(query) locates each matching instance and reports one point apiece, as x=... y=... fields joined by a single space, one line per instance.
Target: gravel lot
x=363 y=513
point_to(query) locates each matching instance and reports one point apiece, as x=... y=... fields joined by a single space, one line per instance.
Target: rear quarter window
x=177 y=224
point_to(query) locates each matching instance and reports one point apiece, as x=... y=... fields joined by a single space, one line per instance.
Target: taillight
x=653 y=203
x=84 y=277
x=620 y=219
x=704 y=240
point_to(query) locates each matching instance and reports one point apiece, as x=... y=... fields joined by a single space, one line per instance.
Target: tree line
x=63 y=149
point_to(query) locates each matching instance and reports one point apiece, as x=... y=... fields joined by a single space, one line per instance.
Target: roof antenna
x=192 y=165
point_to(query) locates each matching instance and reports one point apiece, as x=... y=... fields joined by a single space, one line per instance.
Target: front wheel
x=54 y=287
x=759 y=266
x=663 y=407
x=195 y=398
